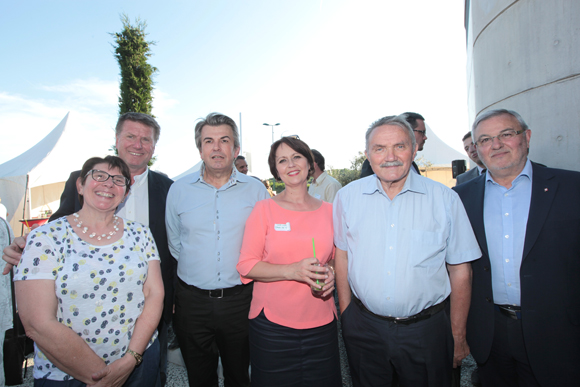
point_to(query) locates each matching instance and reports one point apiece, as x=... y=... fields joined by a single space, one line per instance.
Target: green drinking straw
x=313 y=248
x=314 y=252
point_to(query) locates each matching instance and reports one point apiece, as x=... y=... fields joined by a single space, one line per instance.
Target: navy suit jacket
x=466 y=176
x=549 y=276
x=158 y=186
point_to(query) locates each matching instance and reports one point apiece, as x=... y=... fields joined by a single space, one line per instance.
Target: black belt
x=423 y=315
x=214 y=293
x=510 y=311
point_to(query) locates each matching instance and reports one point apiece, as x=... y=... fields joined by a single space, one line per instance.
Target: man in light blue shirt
x=404 y=245
x=205 y=217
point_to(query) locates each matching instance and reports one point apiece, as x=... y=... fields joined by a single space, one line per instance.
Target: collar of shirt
x=235 y=177
x=413 y=183
x=135 y=206
x=318 y=181
x=479 y=170
x=140 y=179
x=527 y=172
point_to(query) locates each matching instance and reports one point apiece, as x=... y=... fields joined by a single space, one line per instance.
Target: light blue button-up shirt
x=205 y=227
x=505 y=215
x=397 y=249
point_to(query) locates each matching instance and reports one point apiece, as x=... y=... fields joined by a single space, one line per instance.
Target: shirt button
x=388 y=298
x=218 y=232
x=218 y=259
x=509 y=284
x=507 y=260
x=507 y=214
x=219 y=253
x=218 y=238
x=392 y=225
x=390 y=247
x=389 y=273
x=507 y=237
x=506 y=195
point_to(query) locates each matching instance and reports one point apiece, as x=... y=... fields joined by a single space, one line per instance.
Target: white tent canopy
x=32 y=180
x=195 y=168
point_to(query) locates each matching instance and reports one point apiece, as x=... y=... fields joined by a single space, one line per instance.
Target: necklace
x=92 y=235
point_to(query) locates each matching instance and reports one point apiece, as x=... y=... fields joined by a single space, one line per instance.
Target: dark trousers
x=284 y=357
x=143 y=376
x=209 y=328
x=418 y=354
x=162 y=338
x=508 y=363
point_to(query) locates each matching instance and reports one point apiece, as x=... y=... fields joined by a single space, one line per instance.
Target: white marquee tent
x=30 y=182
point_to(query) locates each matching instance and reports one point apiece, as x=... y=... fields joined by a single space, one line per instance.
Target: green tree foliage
x=346 y=175
x=132 y=52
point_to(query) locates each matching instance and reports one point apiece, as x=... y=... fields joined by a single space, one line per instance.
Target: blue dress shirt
x=205 y=227
x=397 y=249
x=505 y=215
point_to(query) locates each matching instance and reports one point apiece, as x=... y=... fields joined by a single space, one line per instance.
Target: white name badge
x=282 y=227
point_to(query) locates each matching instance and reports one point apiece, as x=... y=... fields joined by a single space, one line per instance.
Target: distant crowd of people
x=424 y=274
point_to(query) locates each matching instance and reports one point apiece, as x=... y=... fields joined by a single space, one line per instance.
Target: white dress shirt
x=136 y=205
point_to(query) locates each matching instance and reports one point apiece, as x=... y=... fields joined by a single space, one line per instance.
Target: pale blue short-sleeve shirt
x=398 y=249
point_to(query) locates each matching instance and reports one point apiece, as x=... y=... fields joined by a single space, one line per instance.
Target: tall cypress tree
x=132 y=52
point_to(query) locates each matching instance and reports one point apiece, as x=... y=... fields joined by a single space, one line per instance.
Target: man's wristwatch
x=138 y=357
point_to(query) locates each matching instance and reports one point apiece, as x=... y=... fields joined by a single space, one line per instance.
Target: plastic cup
x=317 y=290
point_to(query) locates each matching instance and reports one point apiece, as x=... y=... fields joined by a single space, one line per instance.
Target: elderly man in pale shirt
x=403 y=245
x=136 y=135
x=206 y=216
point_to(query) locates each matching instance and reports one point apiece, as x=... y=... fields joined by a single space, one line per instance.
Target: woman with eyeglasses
x=89 y=289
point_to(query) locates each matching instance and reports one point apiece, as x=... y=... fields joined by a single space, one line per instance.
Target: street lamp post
x=272 y=125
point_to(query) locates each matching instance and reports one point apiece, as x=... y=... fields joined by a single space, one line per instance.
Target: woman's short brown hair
x=113 y=162
x=298 y=146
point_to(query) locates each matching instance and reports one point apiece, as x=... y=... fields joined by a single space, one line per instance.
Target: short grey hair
x=400 y=121
x=494 y=113
x=142 y=118
x=216 y=119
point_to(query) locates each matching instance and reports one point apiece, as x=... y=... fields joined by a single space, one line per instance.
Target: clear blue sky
x=324 y=70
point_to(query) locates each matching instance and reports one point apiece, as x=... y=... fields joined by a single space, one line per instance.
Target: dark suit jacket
x=466 y=176
x=366 y=169
x=158 y=186
x=549 y=276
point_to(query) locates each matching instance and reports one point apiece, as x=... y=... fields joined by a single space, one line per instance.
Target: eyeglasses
x=506 y=135
x=101 y=176
x=421 y=132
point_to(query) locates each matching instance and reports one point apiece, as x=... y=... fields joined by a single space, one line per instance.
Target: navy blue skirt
x=282 y=356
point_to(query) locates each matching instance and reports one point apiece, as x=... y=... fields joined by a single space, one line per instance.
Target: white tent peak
x=33 y=157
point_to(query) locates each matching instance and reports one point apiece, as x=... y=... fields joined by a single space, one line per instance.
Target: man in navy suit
x=136 y=136
x=524 y=322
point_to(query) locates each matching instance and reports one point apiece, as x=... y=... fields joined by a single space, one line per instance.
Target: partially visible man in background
x=471 y=152
x=241 y=164
x=323 y=186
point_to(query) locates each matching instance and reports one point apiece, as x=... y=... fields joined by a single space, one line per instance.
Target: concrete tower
x=524 y=55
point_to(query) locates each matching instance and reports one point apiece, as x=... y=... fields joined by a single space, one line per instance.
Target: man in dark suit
x=523 y=325
x=417 y=123
x=471 y=151
x=136 y=136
